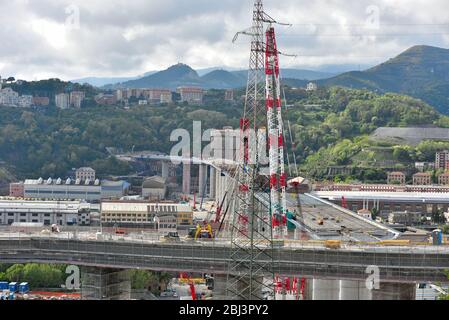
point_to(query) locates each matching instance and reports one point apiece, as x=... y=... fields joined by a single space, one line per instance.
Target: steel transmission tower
x=252 y=264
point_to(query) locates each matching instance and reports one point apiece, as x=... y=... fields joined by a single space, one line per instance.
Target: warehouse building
x=154 y=188
x=63 y=213
x=58 y=189
x=143 y=213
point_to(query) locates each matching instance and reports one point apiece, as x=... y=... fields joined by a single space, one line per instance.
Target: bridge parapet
x=405 y=265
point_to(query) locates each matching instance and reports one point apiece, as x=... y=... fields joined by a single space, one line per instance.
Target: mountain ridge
x=421 y=71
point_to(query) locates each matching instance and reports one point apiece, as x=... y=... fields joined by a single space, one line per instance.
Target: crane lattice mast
x=251 y=257
x=278 y=176
x=260 y=213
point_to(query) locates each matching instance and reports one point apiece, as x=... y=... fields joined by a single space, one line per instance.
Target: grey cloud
x=119 y=37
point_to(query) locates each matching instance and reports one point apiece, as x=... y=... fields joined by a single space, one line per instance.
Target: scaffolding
x=105 y=284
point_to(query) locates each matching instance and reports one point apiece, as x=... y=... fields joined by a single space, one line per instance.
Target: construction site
x=259 y=234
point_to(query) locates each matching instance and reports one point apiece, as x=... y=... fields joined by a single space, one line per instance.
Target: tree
x=438 y=216
x=14 y=273
x=374 y=213
x=445 y=297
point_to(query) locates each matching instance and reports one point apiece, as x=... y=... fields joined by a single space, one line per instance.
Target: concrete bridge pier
x=213 y=183
x=354 y=290
x=186 y=178
x=317 y=289
x=165 y=170
x=395 y=291
x=202 y=180
x=105 y=284
x=324 y=289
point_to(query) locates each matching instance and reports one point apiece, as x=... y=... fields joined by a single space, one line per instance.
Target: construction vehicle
x=333 y=244
x=184 y=277
x=120 y=232
x=172 y=237
x=201 y=232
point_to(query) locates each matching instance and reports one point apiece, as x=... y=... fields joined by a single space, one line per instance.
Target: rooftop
x=72 y=182
x=143 y=206
x=422 y=197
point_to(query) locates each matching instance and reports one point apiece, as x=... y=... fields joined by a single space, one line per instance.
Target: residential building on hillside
x=106 y=99
x=85 y=173
x=41 y=101
x=166 y=97
x=422 y=179
x=311 y=86
x=443 y=179
x=192 y=95
x=424 y=166
x=441 y=159
x=396 y=178
x=62 y=101
x=9 y=98
x=76 y=99
x=229 y=95
x=156 y=96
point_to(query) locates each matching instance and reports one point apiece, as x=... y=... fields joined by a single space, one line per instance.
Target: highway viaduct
x=402 y=265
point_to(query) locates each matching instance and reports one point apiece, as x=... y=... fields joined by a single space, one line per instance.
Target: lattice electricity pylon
x=252 y=266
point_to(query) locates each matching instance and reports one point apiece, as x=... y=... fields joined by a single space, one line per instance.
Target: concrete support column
x=105 y=284
x=220 y=187
x=186 y=178
x=395 y=291
x=326 y=289
x=213 y=183
x=164 y=169
x=354 y=290
x=202 y=180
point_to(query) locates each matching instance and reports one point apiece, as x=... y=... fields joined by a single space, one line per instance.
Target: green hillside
x=421 y=72
x=330 y=126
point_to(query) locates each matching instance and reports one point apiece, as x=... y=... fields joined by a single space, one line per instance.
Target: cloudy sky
x=78 y=38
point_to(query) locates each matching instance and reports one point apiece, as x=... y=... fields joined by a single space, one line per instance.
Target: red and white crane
x=278 y=176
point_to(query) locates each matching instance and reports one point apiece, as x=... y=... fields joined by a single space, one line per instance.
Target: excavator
x=201 y=232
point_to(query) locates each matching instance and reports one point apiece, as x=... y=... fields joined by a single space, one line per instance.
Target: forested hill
x=35 y=143
x=421 y=72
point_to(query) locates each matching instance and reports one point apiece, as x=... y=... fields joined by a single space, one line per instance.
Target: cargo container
x=13 y=287
x=4 y=285
x=24 y=287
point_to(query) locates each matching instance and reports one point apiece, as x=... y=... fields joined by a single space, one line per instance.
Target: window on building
x=47 y=222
